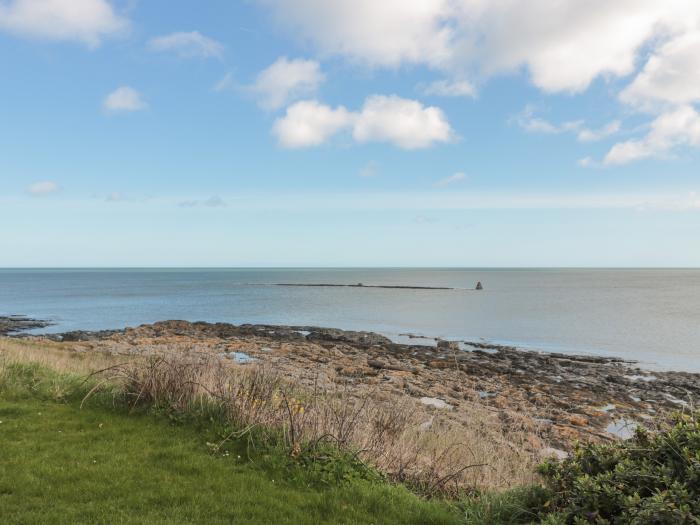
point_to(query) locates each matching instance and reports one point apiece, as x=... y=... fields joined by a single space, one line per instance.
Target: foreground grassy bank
x=63 y=464
x=75 y=454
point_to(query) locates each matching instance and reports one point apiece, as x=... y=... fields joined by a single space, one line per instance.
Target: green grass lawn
x=62 y=464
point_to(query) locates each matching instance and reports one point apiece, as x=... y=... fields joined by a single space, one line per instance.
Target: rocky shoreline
x=564 y=397
x=13 y=324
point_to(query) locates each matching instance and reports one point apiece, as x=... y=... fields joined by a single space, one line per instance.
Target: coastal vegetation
x=96 y=438
x=654 y=477
x=76 y=454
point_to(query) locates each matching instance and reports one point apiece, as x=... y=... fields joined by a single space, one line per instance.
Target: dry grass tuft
x=52 y=355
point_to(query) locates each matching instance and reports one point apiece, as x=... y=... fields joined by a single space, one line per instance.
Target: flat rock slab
x=17 y=323
x=435 y=402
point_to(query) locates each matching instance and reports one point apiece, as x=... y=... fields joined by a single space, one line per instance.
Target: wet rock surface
x=18 y=323
x=563 y=397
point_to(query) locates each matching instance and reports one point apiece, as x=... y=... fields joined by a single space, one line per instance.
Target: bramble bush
x=652 y=478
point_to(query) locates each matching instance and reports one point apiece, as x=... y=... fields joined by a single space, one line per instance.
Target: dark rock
x=398 y=367
x=18 y=323
x=82 y=335
x=447 y=345
x=376 y=363
x=346 y=336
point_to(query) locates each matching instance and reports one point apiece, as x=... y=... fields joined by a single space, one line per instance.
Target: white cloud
x=456 y=177
x=447 y=88
x=589 y=135
x=42 y=188
x=212 y=202
x=531 y=123
x=124 y=99
x=309 y=123
x=675 y=128
x=286 y=80
x=386 y=32
x=405 y=123
x=564 y=45
x=86 y=21
x=191 y=44
x=225 y=83
x=671 y=75
x=538 y=125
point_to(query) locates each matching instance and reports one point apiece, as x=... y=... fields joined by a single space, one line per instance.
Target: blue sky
x=349 y=133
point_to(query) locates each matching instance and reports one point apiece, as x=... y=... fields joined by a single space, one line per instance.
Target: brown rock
x=376 y=363
x=578 y=421
x=440 y=363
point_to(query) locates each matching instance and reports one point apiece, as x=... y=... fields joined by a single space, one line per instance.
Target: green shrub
x=653 y=478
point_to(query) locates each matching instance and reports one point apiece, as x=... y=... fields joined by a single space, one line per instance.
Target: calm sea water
x=648 y=315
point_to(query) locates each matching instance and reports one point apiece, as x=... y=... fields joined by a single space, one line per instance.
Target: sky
x=463 y=133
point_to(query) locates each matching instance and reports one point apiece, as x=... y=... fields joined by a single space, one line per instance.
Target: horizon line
x=299 y=267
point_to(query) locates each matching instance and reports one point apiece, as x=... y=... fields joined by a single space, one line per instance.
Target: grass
x=62 y=464
x=512 y=507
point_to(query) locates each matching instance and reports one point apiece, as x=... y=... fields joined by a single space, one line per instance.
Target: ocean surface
x=652 y=316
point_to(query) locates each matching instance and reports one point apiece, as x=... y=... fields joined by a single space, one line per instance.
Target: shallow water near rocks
x=238 y=357
x=641 y=378
x=622 y=428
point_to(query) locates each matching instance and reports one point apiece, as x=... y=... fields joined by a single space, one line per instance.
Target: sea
x=648 y=315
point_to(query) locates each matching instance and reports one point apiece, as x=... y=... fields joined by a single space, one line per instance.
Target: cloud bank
x=286 y=80
x=564 y=47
